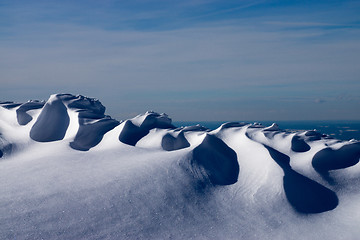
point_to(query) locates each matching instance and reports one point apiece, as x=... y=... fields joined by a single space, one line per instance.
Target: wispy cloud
x=130 y=57
x=310 y=24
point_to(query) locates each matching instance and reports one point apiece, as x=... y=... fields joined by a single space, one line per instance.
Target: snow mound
x=273 y=127
x=214 y=159
x=138 y=127
x=52 y=123
x=23 y=117
x=304 y=194
x=170 y=142
x=69 y=171
x=329 y=159
x=299 y=145
x=93 y=123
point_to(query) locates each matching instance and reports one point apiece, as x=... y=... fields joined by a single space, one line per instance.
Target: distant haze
x=198 y=60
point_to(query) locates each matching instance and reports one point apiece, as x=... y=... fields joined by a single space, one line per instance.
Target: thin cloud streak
x=310 y=24
x=238 y=63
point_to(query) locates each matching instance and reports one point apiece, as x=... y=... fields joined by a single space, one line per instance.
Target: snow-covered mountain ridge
x=145 y=178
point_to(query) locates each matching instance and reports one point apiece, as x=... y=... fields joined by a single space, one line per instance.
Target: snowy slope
x=68 y=171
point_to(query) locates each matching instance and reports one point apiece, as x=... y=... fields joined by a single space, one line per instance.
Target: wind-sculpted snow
x=52 y=123
x=305 y=195
x=214 y=159
x=1 y=147
x=175 y=139
x=69 y=171
x=9 y=105
x=5 y=146
x=23 y=117
x=87 y=107
x=299 y=145
x=329 y=159
x=93 y=124
x=138 y=127
x=171 y=143
x=232 y=125
x=91 y=133
x=314 y=135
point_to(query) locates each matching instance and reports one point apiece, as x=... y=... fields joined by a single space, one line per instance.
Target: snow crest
x=69 y=171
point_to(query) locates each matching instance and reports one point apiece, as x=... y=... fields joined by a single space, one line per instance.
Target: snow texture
x=69 y=171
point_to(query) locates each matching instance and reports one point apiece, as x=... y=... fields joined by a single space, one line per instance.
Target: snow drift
x=68 y=171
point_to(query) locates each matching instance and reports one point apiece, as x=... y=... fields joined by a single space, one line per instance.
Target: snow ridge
x=250 y=165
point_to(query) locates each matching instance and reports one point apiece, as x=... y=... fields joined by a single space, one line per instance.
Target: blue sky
x=195 y=60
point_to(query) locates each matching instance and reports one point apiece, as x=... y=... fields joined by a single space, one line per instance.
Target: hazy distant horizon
x=194 y=60
x=190 y=118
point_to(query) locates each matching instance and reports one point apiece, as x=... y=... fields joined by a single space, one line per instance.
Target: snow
x=240 y=181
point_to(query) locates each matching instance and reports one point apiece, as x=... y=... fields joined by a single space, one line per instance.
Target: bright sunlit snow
x=68 y=171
